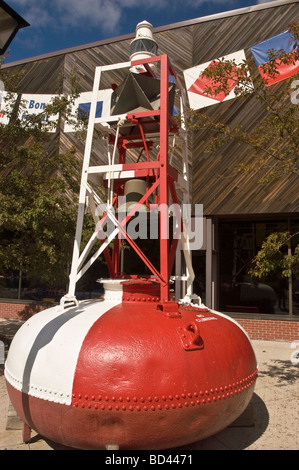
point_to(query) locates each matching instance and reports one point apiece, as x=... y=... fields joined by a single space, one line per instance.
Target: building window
x=239 y=241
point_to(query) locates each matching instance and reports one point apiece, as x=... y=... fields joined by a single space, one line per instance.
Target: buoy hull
x=130 y=373
x=90 y=429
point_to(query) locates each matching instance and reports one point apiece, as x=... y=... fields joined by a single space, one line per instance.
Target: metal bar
x=174 y=245
x=164 y=242
x=135 y=137
x=95 y=236
x=115 y=255
x=108 y=119
x=120 y=65
x=123 y=174
x=123 y=167
x=141 y=165
x=209 y=263
x=104 y=168
x=146 y=61
x=82 y=195
x=132 y=145
x=179 y=279
x=143 y=114
x=149 y=70
x=87 y=249
x=144 y=141
x=120 y=228
x=110 y=194
x=97 y=254
x=139 y=156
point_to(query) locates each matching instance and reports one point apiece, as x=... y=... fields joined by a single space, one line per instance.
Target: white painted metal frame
x=112 y=171
x=77 y=260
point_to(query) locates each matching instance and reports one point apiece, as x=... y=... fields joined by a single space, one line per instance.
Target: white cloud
x=107 y=15
x=215 y=2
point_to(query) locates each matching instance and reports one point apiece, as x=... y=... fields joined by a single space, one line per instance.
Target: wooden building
x=239 y=212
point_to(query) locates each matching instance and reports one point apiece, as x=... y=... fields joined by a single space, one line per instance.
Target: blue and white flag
x=82 y=105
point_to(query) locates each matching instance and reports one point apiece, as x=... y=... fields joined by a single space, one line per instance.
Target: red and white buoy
x=133 y=369
x=125 y=371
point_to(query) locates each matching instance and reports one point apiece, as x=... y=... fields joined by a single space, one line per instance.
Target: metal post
x=84 y=177
x=290 y=274
x=164 y=243
x=209 y=263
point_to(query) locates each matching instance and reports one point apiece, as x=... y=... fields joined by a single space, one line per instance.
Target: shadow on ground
x=242 y=433
x=284 y=372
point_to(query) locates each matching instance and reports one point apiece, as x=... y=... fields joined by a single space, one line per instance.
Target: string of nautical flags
x=196 y=85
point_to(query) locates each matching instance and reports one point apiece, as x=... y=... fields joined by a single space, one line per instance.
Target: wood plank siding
x=190 y=43
x=215 y=184
x=41 y=76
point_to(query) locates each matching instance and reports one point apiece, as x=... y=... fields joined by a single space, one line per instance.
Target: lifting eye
x=190 y=337
x=192 y=328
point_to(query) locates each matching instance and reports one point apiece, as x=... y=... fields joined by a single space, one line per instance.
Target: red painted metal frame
x=160 y=170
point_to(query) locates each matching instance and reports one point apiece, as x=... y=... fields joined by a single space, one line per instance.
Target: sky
x=60 y=24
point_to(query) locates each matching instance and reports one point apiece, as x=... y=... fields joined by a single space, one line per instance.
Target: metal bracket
x=170 y=309
x=190 y=337
x=66 y=302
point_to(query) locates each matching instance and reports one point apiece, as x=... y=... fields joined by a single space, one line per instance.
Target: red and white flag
x=200 y=88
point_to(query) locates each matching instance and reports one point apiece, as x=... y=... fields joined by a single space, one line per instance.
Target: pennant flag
x=84 y=109
x=197 y=85
x=81 y=107
x=34 y=105
x=262 y=51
